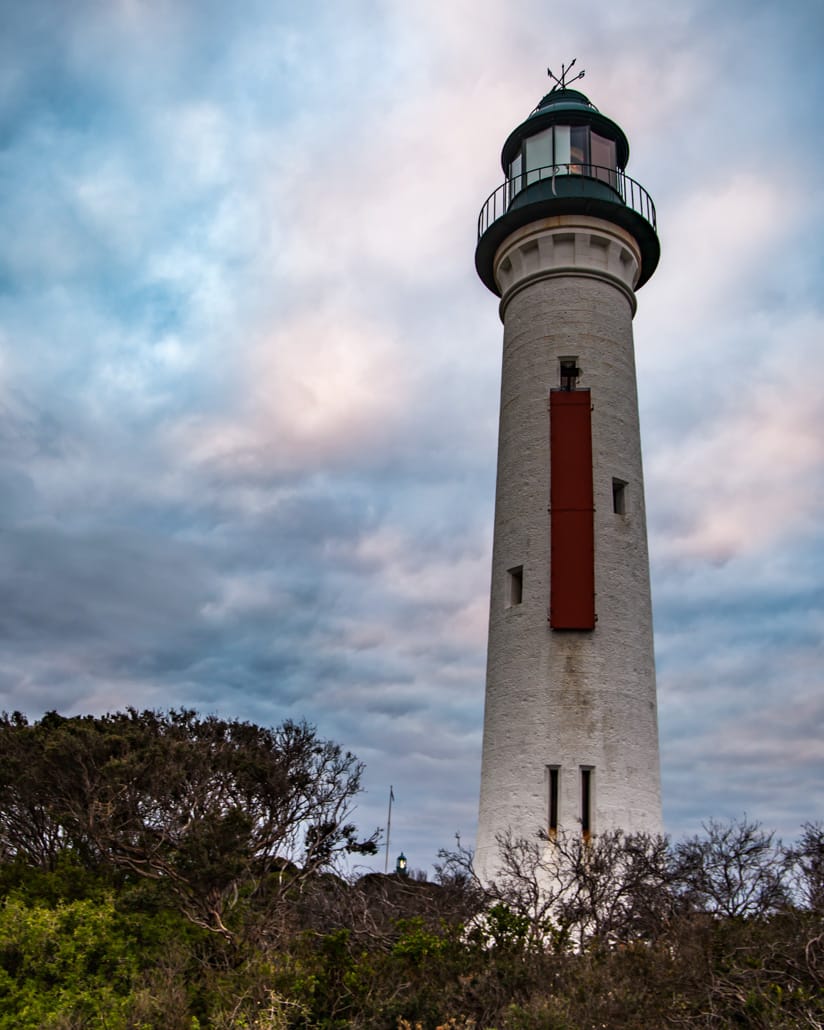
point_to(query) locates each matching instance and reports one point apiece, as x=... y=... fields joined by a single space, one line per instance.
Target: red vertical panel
x=572 y=531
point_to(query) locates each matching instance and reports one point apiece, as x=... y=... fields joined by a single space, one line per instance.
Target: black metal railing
x=626 y=190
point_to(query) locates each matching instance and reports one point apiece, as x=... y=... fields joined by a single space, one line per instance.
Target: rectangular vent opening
x=515 y=586
x=619 y=497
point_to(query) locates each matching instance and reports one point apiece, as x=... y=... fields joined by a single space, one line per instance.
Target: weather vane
x=561 y=81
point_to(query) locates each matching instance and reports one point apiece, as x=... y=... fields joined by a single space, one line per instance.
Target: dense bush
x=209 y=807
x=170 y=872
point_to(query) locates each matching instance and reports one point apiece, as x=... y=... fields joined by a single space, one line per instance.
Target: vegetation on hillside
x=161 y=870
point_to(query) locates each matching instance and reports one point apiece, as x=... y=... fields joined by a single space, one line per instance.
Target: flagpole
x=388 y=828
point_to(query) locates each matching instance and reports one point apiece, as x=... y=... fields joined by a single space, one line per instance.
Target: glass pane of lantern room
x=562 y=149
x=538 y=156
x=603 y=156
x=516 y=183
x=579 y=149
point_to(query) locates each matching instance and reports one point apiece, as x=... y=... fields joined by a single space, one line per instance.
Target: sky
x=249 y=378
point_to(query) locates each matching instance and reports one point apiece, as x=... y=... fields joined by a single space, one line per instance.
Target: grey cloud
x=288 y=579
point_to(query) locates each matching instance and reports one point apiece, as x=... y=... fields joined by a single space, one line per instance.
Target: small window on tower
x=619 y=497
x=515 y=586
x=569 y=373
x=553 y=774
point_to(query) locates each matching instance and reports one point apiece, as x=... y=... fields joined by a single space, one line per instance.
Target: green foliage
x=77 y=957
x=127 y=840
x=69 y=879
x=502 y=928
x=78 y=951
x=417 y=943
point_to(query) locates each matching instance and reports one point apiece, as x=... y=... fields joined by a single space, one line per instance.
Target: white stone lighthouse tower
x=570 y=726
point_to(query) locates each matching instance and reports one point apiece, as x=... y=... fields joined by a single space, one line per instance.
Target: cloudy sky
x=249 y=379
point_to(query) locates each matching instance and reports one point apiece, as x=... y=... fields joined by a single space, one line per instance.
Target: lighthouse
x=570 y=740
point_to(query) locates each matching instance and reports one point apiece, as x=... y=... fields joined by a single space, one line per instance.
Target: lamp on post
x=400 y=865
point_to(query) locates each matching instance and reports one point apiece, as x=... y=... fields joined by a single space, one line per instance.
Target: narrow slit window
x=569 y=373
x=553 y=782
x=586 y=803
x=515 y=586
x=619 y=496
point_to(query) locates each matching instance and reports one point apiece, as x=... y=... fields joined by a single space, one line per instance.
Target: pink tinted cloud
x=754 y=472
x=317 y=390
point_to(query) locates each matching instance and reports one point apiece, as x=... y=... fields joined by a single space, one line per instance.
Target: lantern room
x=564 y=135
x=566 y=158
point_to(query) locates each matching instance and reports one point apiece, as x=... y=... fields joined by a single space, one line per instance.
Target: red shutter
x=572 y=532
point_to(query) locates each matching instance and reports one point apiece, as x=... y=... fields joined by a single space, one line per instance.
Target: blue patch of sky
x=157 y=308
x=49 y=96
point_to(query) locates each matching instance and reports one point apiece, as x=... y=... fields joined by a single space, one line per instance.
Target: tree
x=736 y=869
x=806 y=866
x=28 y=828
x=209 y=806
x=617 y=886
x=568 y=891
